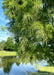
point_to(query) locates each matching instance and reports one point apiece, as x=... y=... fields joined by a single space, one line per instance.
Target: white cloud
x=3 y=19
x=3 y=38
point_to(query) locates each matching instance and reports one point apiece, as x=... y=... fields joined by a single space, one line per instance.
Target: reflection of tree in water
x=0 y=63
x=7 y=63
x=39 y=53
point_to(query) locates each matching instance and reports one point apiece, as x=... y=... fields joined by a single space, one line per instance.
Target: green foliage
x=9 y=44
x=2 y=45
x=3 y=28
x=32 y=23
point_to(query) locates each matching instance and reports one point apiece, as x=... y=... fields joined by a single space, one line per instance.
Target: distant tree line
x=8 y=45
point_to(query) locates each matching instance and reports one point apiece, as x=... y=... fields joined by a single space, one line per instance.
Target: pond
x=12 y=66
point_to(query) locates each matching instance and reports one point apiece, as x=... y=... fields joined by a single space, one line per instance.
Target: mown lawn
x=7 y=53
x=47 y=69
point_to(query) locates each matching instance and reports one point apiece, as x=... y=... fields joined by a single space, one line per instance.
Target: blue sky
x=3 y=22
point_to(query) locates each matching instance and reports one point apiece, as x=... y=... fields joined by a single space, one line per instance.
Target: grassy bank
x=7 y=53
x=47 y=69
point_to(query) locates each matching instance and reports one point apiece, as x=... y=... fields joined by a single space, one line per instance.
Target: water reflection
x=12 y=66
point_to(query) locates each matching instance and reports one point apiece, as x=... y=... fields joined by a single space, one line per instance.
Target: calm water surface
x=12 y=66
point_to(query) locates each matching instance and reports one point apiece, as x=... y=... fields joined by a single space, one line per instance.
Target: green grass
x=7 y=53
x=47 y=69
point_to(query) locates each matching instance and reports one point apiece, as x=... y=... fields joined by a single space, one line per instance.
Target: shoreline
x=7 y=53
